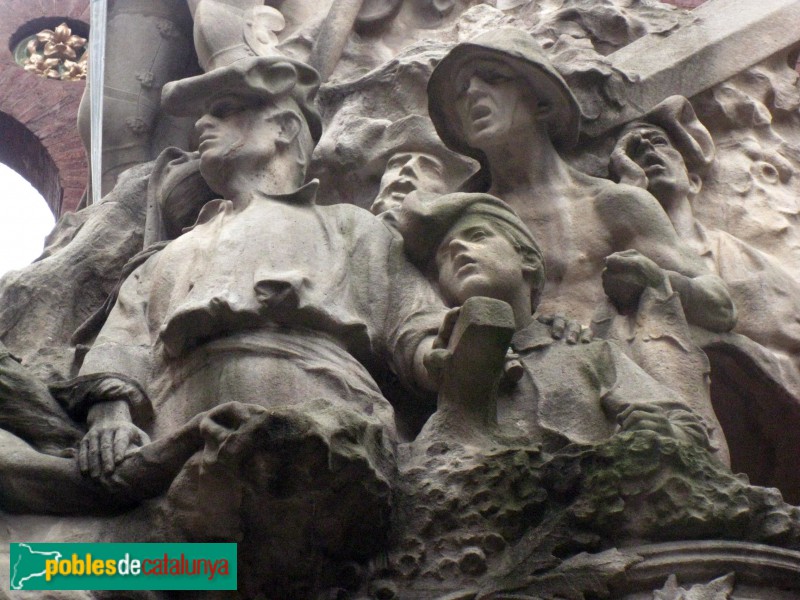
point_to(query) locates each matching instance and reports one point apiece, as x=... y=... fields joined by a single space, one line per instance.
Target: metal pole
x=97 y=53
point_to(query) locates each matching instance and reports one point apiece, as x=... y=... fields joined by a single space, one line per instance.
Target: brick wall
x=52 y=156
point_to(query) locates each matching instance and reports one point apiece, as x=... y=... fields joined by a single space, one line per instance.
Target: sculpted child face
x=476 y=258
x=493 y=103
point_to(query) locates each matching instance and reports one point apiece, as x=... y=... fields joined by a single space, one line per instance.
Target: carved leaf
x=719 y=589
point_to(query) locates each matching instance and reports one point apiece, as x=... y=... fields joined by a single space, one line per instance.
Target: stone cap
x=688 y=135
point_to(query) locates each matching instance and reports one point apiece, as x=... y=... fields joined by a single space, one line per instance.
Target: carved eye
x=225 y=108
x=396 y=162
x=659 y=141
x=432 y=164
x=767 y=172
x=494 y=77
x=462 y=86
x=476 y=235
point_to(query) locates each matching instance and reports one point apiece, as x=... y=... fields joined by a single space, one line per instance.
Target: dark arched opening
x=23 y=152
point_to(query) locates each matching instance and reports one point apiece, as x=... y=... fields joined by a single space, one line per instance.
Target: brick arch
x=22 y=151
x=44 y=109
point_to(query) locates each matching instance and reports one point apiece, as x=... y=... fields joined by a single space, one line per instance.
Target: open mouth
x=479 y=111
x=654 y=166
x=402 y=186
x=205 y=138
x=654 y=169
x=464 y=263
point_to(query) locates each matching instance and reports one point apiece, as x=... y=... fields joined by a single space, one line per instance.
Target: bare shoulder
x=625 y=207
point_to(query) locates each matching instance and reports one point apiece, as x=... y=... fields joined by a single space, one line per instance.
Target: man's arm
x=637 y=222
x=113 y=373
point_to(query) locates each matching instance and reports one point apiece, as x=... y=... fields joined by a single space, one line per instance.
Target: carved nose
x=203 y=122
x=408 y=168
x=474 y=85
x=457 y=245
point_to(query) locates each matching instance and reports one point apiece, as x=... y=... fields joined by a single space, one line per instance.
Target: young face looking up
x=476 y=258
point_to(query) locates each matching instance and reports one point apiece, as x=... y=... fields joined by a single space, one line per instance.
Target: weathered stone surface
x=726 y=38
x=264 y=370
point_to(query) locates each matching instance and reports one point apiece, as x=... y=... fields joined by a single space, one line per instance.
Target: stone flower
x=74 y=71
x=61 y=43
x=45 y=67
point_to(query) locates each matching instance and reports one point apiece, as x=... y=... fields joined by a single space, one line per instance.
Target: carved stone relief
x=514 y=340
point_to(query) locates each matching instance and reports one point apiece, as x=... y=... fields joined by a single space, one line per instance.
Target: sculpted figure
x=499 y=100
x=415 y=160
x=152 y=42
x=584 y=442
x=475 y=245
x=288 y=308
x=668 y=152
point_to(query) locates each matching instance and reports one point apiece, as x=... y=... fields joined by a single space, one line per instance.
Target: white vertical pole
x=97 y=53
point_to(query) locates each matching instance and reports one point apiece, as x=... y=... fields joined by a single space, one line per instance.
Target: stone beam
x=728 y=37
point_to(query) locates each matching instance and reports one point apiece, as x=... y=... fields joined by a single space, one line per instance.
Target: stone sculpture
x=573 y=400
x=297 y=339
x=415 y=160
x=222 y=355
x=597 y=226
x=590 y=220
x=570 y=393
x=676 y=150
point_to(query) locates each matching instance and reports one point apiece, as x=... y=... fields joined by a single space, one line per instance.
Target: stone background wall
x=38 y=135
x=38 y=132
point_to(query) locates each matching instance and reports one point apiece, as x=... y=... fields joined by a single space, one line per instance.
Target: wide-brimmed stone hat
x=518 y=50
x=688 y=135
x=415 y=133
x=258 y=78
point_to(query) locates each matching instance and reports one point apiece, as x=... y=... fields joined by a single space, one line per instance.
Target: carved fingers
x=623 y=165
x=569 y=330
x=229 y=430
x=106 y=445
x=642 y=417
x=437 y=359
x=627 y=274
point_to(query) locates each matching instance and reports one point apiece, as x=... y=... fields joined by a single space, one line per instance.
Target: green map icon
x=27 y=564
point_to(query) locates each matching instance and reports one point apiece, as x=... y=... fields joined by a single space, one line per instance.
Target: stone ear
x=695 y=183
x=290 y=125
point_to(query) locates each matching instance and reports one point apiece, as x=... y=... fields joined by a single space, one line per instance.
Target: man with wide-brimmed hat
x=473 y=244
x=414 y=159
x=290 y=309
x=498 y=99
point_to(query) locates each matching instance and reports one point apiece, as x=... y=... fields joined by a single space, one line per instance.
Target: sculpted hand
x=110 y=439
x=562 y=328
x=641 y=417
x=623 y=165
x=627 y=274
x=230 y=431
x=437 y=359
